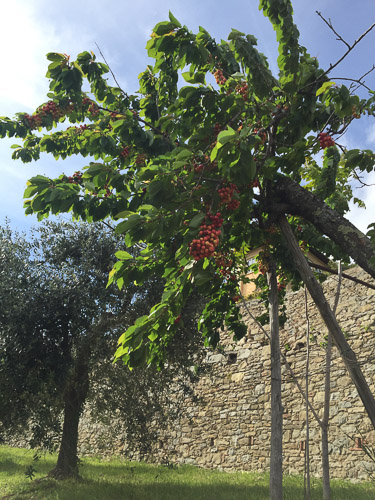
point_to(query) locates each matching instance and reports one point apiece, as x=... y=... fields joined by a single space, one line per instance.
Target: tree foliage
x=197 y=166
x=58 y=329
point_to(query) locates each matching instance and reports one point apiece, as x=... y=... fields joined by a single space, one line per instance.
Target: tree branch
x=112 y=73
x=344 y=275
x=288 y=197
x=330 y=26
x=353 y=80
x=339 y=37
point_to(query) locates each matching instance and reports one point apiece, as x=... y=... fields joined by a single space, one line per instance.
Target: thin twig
x=350 y=47
x=344 y=275
x=108 y=225
x=112 y=73
x=329 y=24
x=361 y=181
x=360 y=84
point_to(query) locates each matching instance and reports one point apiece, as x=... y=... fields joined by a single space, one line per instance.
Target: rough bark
x=329 y=318
x=74 y=397
x=276 y=464
x=290 y=197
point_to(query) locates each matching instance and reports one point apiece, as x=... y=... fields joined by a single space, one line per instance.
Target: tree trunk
x=325 y=422
x=296 y=200
x=325 y=311
x=327 y=393
x=74 y=398
x=307 y=443
x=276 y=463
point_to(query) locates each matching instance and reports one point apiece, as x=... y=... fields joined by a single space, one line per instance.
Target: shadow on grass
x=16 y=468
x=136 y=488
x=103 y=490
x=11 y=467
x=117 y=479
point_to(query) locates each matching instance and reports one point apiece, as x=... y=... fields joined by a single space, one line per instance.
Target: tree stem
x=276 y=471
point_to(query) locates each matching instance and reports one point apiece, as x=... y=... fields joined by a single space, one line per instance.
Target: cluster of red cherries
x=91 y=106
x=199 y=164
x=125 y=152
x=76 y=178
x=34 y=121
x=53 y=109
x=198 y=167
x=82 y=128
x=224 y=263
x=208 y=240
x=243 y=90
x=227 y=198
x=261 y=133
x=86 y=101
x=140 y=159
x=325 y=140
x=50 y=108
x=93 y=110
x=219 y=77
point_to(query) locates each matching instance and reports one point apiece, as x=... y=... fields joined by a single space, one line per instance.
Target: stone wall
x=229 y=428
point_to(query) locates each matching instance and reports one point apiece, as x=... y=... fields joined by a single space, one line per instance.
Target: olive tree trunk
x=74 y=398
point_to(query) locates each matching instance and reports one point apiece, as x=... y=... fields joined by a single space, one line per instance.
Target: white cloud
x=360 y=217
x=24 y=42
x=370 y=135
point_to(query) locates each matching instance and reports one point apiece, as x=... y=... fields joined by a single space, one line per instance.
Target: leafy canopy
x=186 y=168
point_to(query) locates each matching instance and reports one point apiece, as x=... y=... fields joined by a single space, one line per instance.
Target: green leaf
x=93 y=168
x=134 y=220
x=226 y=136
x=141 y=320
x=146 y=208
x=164 y=28
x=238 y=76
x=197 y=77
x=55 y=56
x=234 y=34
x=124 y=214
x=174 y=20
x=153 y=336
x=39 y=180
x=214 y=152
x=202 y=278
x=197 y=221
x=324 y=87
x=122 y=255
x=184 y=154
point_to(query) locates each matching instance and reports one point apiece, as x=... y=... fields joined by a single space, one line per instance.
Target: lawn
x=120 y=479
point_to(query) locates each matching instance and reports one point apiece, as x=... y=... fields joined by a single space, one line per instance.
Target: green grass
x=119 y=479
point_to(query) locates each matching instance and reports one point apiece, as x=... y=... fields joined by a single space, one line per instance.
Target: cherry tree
x=212 y=157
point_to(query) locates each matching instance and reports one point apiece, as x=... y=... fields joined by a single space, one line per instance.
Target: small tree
x=58 y=330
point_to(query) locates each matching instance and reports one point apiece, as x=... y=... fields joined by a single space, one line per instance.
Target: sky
x=29 y=29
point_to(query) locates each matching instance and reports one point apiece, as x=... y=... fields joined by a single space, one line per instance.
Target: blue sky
x=30 y=29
